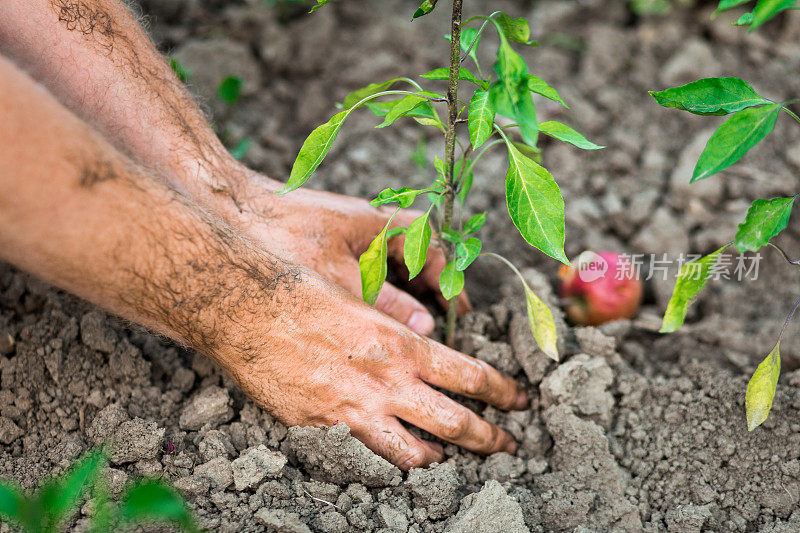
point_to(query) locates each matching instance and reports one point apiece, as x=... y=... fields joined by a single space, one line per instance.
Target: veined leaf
x=425 y=8
x=481 y=118
x=466 y=252
x=535 y=204
x=451 y=281
x=539 y=86
x=542 y=325
x=314 y=149
x=152 y=500
x=764 y=220
x=463 y=74
x=519 y=108
x=425 y=114
x=404 y=196
x=743 y=130
x=766 y=9
x=415 y=247
x=564 y=133
x=372 y=265
x=373 y=88
x=320 y=3
x=711 y=96
x=692 y=277
x=761 y=389
x=405 y=106
x=475 y=223
x=516 y=30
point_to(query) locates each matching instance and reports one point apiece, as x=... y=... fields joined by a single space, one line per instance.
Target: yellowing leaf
x=761 y=389
x=372 y=265
x=542 y=325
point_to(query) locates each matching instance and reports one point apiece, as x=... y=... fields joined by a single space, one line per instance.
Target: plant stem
x=450 y=156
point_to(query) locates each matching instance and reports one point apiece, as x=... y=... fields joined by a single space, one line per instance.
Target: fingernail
x=421 y=322
x=522 y=400
x=511 y=448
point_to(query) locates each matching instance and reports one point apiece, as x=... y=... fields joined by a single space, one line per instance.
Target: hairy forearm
x=77 y=213
x=94 y=56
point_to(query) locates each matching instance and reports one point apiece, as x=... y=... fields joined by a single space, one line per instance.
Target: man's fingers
x=405 y=308
x=389 y=439
x=469 y=377
x=437 y=414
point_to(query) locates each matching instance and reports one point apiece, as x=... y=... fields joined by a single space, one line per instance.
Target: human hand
x=328 y=358
x=328 y=232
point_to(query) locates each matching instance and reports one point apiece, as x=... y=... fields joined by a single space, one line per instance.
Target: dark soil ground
x=633 y=431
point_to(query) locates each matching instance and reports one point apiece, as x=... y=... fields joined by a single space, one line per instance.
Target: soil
x=633 y=431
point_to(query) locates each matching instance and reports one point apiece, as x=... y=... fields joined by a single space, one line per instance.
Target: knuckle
x=476 y=380
x=454 y=425
x=412 y=457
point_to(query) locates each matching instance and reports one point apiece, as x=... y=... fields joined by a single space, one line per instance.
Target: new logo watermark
x=740 y=267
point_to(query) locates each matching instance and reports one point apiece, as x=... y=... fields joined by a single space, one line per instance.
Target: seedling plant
x=752 y=118
x=533 y=198
x=49 y=508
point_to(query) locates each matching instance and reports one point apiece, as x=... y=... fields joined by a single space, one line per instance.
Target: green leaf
x=761 y=389
x=230 y=89
x=745 y=20
x=320 y=3
x=510 y=69
x=405 y=106
x=441 y=168
x=365 y=92
x=516 y=30
x=451 y=281
x=481 y=118
x=180 y=71
x=241 y=148
x=468 y=35
x=372 y=265
x=466 y=181
x=153 y=500
x=314 y=149
x=743 y=130
x=765 y=219
x=566 y=134
x=466 y=252
x=425 y=8
x=711 y=96
x=415 y=248
x=463 y=74
x=404 y=196
x=451 y=235
x=425 y=114
x=475 y=223
x=729 y=4
x=766 y=9
x=535 y=204
x=692 y=277
x=59 y=498
x=12 y=502
x=539 y=86
x=542 y=325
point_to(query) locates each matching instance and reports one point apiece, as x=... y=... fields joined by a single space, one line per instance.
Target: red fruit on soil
x=600 y=287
